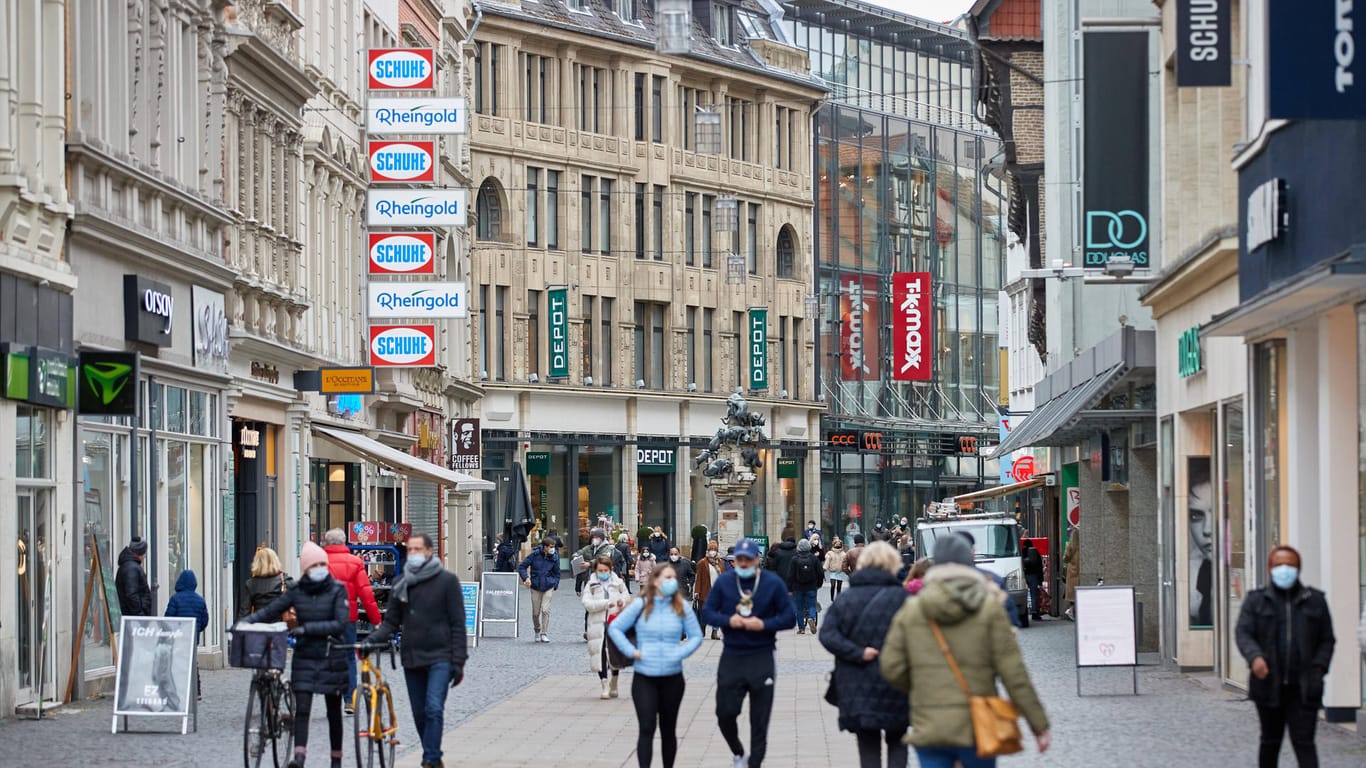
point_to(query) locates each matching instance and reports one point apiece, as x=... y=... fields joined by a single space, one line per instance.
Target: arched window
x=787 y=252
x=489 y=212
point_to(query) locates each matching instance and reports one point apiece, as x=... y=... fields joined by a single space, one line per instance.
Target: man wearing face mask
x=428 y=608
x=752 y=607
x=659 y=545
x=540 y=572
x=1286 y=635
x=687 y=572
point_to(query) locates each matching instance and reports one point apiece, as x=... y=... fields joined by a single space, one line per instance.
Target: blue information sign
x=470 y=593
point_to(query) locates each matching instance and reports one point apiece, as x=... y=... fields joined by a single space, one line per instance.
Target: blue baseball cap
x=747 y=548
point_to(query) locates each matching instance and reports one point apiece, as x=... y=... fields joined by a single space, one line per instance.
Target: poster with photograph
x=1200 y=515
x=156 y=663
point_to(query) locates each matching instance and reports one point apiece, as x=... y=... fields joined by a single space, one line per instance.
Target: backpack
x=805 y=571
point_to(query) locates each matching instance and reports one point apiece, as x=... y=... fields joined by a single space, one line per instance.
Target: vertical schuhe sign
x=1204 y=52
x=1312 y=60
x=758 y=348
x=1115 y=148
x=557 y=315
x=911 y=326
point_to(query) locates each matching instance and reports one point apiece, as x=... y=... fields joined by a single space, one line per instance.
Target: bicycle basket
x=259 y=646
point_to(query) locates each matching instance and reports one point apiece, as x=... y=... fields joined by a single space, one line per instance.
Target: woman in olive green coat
x=969 y=610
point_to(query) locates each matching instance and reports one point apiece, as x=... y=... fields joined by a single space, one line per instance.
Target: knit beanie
x=137 y=546
x=804 y=546
x=311 y=555
x=952 y=549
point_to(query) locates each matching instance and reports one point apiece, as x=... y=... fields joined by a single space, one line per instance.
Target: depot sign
x=402 y=253
x=911 y=358
x=411 y=162
x=393 y=69
x=403 y=346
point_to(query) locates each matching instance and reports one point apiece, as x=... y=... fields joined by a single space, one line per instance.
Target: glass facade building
x=904 y=183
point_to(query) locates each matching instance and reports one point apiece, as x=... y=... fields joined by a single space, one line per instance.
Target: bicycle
x=270 y=702
x=376 y=729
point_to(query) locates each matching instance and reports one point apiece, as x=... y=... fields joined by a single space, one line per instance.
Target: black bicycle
x=269 y=725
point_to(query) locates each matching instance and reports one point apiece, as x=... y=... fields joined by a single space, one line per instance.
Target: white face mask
x=416 y=559
x=597 y=542
x=673 y=558
x=317 y=572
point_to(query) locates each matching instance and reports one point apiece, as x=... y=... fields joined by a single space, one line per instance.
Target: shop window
x=1269 y=375
x=787 y=252
x=489 y=212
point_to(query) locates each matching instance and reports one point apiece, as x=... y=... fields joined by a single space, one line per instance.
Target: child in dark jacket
x=188 y=604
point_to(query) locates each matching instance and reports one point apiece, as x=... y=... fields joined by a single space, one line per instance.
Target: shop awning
x=1069 y=414
x=998 y=491
x=401 y=462
x=1280 y=305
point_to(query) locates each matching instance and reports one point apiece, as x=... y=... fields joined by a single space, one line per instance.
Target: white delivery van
x=996 y=538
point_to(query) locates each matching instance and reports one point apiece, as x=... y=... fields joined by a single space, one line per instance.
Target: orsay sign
x=148 y=311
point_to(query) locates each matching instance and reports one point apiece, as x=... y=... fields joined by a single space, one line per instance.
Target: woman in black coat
x=854 y=629
x=320 y=664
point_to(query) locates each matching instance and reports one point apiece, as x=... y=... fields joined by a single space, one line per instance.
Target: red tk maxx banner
x=912 y=342
x=858 y=328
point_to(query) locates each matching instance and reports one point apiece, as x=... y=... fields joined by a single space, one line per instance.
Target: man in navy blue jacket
x=751 y=607
x=540 y=572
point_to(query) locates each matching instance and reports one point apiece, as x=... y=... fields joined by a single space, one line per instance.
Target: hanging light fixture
x=735 y=269
x=813 y=305
x=707 y=132
x=726 y=214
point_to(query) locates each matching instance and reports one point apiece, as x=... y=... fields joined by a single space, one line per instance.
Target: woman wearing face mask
x=320 y=666
x=663 y=619
x=834 y=567
x=603 y=598
x=708 y=571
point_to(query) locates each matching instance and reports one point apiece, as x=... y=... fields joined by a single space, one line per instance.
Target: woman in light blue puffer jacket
x=663 y=619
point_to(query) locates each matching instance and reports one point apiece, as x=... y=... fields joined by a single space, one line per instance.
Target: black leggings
x=657 y=697
x=835 y=587
x=604 y=661
x=303 y=707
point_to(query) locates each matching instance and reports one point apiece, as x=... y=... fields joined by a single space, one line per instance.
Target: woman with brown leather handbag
x=946 y=649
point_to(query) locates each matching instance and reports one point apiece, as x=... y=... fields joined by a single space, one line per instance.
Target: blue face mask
x=604 y=576
x=668 y=587
x=745 y=573
x=1285 y=576
x=416 y=560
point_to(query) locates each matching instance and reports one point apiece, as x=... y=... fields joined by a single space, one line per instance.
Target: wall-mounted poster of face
x=1200 y=513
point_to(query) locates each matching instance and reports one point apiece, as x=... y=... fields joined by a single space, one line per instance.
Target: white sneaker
x=545 y=638
x=741 y=761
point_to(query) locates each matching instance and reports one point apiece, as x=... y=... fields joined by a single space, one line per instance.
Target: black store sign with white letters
x=148 y=311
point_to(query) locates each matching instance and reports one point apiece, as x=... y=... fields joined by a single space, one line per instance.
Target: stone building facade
x=593 y=177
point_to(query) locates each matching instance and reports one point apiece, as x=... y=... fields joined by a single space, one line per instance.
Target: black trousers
x=657 y=699
x=303 y=707
x=870 y=749
x=835 y=587
x=737 y=676
x=1299 y=719
x=604 y=660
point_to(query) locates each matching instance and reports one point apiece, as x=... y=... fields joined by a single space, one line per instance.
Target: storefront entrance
x=33 y=593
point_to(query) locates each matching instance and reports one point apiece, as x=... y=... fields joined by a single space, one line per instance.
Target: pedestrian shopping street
x=524 y=703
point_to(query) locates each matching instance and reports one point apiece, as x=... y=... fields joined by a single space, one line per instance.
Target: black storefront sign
x=1313 y=72
x=148 y=311
x=466 y=450
x=107 y=384
x=1204 y=48
x=37 y=375
x=1115 y=148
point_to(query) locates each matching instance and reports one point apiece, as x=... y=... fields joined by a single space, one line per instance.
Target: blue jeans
x=349 y=637
x=427 y=688
x=805 y=605
x=944 y=757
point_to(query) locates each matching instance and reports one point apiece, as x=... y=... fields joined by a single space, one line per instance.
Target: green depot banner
x=558 y=318
x=758 y=349
x=789 y=469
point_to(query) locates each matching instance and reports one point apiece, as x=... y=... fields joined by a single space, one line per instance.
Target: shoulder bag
x=832 y=696
x=615 y=657
x=289 y=617
x=995 y=722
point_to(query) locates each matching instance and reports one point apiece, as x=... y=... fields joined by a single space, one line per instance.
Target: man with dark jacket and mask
x=779 y=558
x=135 y=596
x=1286 y=635
x=427 y=607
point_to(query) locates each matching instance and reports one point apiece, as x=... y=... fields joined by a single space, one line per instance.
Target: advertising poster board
x=1107 y=627
x=498 y=600
x=155 y=672
x=469 y=593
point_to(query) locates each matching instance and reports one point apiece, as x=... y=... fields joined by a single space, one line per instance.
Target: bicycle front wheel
x=360 y=723
x=386 y=742
x=282 y=729
x=256 y=729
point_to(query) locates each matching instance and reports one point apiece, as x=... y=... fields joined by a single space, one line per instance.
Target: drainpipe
x=478 y=17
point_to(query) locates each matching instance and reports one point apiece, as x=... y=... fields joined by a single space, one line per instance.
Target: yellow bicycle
x=372 y=706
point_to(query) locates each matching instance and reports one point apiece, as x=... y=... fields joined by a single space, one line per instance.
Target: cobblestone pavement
x=524 y=703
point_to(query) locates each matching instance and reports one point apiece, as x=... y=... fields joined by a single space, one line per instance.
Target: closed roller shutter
x=424 y=508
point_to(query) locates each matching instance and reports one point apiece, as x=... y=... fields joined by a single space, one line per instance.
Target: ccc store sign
x=852 y=440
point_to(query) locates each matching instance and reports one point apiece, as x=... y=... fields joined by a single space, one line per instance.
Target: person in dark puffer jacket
x=186 y=603
x=854 y=629
x=135 y=596
x=320 y=665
